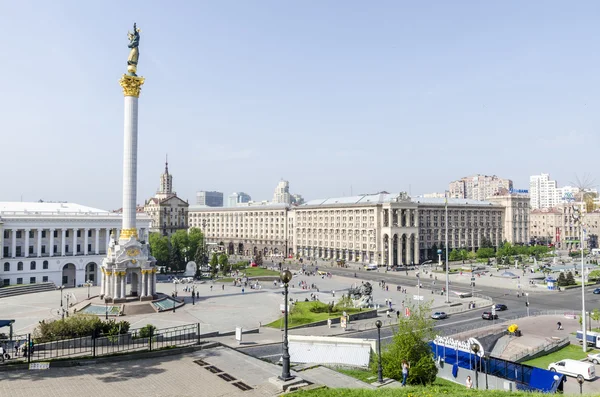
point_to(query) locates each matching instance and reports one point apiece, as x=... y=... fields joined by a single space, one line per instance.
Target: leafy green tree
x=471 y=255
x=214 y=261
x=224 y=263
x=454 y=255
x=195 y=240
x=159 y=248
x=595 y=315
x=570 y=279
x=594 y=275
x=410 y=343
x=486 y=243
x=484 y=253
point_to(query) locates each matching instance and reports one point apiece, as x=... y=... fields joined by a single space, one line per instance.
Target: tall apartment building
x=379 y=228
x=209 y=199
x=545 y=192
x=282 y=193
x=238 y=198
x=168 y=212
x=479 y=187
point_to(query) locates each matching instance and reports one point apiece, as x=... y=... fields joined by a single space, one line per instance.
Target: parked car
x=597 y=291
x=574 y=368
x=489 y=316
x=439 y=316
x=595 y=358
x=501 y=307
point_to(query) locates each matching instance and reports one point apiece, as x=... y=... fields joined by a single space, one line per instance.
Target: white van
x=574 y=368
x=371 y=266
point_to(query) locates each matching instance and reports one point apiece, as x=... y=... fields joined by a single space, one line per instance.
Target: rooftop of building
x=43 y=208
x=239 y=207
x=384 y=197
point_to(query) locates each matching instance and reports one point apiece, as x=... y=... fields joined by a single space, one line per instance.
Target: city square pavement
x=220 y=308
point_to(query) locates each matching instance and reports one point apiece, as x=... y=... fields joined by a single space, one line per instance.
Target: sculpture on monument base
x=134 y=54
x=362 y=295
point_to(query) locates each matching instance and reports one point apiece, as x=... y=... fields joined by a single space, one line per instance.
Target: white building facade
x=63 y=243
x=479 y=187
x=245 y=230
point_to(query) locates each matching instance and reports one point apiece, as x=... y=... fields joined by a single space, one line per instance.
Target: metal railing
x=25 y=348
x=536 y=350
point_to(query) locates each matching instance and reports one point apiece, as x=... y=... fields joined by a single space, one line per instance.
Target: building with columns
x=556 y=226
x=169 y=213
x=63 y=243
x=516 y=216
x=246 y=229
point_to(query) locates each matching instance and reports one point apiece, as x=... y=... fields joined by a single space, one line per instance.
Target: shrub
x=147 y=331
x=319 y=307
x=77 y=326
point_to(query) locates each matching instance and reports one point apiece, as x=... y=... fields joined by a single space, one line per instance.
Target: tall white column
x=27 y=243
x=144 y=277
x=103 y=282
x=153 y=283
x=416 y=251
x=115 y=280
x=130 y=162
x=96 y=243
x=107 y=240
x=85 y=241
x=13 y=253
x=63 y=241
x=39 y=243
x=51 y=249
x=75 y=242
x=123 y=284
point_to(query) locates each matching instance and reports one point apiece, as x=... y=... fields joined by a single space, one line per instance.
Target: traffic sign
x=418 y=297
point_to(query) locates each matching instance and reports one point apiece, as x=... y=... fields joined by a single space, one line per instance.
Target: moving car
x=595 y=358
x=501 y=307
x=371 y=266
x=439 y=316
x=574 y=368
x=597 y=291
x=489 y=316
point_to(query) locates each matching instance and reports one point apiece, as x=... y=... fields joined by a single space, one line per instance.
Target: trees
x=486 y=243
x=484 y=253
x=562 y=280
x=454 y=255
x=570 y=279
x=224 y=263
x=258 y=259
x=159 y=248
x=214 y=261
x=409 y=343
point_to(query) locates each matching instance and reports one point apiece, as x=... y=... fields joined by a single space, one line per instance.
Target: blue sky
x=329 y=95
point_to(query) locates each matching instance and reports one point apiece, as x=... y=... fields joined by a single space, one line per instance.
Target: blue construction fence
x=526 y=377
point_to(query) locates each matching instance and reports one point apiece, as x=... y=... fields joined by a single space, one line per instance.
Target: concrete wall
x=493 y=382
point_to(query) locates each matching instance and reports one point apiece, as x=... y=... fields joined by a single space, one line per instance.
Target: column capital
x=132 y=85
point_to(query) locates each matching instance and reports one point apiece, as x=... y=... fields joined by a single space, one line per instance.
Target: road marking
x=273 y=355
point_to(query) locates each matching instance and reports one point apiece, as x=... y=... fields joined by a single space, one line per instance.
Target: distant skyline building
x=479 y=187
x=238 y=198
x=209 y=199
x=282 y=193
x=297 y=199
x=545 y=192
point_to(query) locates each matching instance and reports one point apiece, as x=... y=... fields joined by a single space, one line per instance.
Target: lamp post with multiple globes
x=286 y=276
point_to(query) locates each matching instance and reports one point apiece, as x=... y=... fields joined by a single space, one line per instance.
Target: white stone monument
x=127 y=258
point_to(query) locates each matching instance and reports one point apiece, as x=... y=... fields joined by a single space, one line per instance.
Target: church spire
x=166 y=181
x=166 y=164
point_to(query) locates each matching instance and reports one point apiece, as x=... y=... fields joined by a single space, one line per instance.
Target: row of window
x=19 y=233
x=32 y=266
x=19 y=250
x=32 y=280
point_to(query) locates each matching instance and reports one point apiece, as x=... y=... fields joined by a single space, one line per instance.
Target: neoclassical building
x=247 y=229
x=169 y=213
x=63 y=243
x=556 y=225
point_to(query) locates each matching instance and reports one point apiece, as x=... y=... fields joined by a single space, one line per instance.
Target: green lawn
x=300 y=314
x=360 y=374
x=259 y=271
x=571 y=351
x=440 y=387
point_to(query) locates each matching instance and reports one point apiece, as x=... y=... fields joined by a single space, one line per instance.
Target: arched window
x=45 y=265
x=6 y=266
x=20 y=266
x=32 y=265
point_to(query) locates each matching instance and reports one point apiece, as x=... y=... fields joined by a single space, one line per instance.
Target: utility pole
x=446 y=249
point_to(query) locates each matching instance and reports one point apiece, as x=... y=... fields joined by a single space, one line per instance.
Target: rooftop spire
x=166 y=163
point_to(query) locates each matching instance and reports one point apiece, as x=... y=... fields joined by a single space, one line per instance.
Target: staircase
x=5 y=292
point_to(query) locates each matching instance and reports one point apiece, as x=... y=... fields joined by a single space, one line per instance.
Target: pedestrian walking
x=211 y=287
x=559 y=324
x=405 y=367
x=223 y=287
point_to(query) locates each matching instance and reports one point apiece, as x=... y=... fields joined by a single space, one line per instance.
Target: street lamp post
x=439 y=252
x=61 y=297
x=193 y=294
x=379 y=367
x=475 y=349
x=446 y=249
x=487 y=360
x=285 y=276
x=577 y=217
x=106 y=309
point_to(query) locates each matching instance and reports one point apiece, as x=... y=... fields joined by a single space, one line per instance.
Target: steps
x=5 y=292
